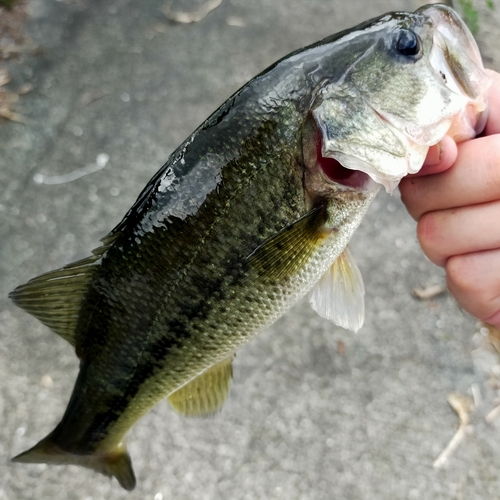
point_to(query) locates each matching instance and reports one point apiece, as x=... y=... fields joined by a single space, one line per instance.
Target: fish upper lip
x=451 y=31
x=443 y=18
x=464 y=70
x=458 y=66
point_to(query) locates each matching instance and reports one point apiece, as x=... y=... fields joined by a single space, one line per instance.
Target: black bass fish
x=252 y=212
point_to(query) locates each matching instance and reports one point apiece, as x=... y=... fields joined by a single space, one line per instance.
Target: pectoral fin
x=339 y=295
x=205 y=394
x=285 y=253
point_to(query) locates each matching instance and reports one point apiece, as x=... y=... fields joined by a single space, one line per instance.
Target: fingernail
x=434 y=156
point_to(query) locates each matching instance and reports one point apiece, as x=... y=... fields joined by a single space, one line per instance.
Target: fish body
x=251 y=212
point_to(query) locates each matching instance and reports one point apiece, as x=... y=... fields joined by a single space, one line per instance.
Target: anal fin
x=206 y=393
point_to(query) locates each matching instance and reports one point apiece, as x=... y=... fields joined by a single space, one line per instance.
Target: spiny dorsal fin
x=115 y=462
x=285 y=253
x=205 y=394
x=55 y=297
x=339 y=294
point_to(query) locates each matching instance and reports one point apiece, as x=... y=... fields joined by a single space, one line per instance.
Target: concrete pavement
x=315 y=412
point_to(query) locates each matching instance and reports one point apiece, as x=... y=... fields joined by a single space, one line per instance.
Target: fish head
x=409 y=80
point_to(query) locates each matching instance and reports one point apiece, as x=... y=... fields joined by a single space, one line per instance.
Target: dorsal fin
x=55 y=297
x=206 y=393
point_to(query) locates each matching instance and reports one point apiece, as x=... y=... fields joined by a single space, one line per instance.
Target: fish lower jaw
x=386 y=171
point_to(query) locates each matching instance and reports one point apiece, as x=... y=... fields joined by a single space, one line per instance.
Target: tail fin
x=115 y=462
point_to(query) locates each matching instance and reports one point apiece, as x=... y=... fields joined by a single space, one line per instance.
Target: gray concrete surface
x=314 y=412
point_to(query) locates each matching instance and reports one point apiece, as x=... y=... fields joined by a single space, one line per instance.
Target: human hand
x=456 y=200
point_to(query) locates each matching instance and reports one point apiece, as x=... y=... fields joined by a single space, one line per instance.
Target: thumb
x=439 y=158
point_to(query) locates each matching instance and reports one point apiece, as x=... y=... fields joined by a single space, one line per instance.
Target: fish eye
x=408 y=43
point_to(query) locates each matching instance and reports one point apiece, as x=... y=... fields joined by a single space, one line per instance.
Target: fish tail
x=115 y=462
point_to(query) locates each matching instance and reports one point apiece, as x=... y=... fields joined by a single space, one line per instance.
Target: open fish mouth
x=435 y=86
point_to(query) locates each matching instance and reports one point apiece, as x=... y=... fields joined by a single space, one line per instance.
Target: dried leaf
x=493 y=336
x=429 y=292
x=7 y=100
x=193 y=16
x=464 y=406
x=452 y=446
x=25 y=88
x=4 y=77
x=13 y=41
x=236 y=21
x=493 y=415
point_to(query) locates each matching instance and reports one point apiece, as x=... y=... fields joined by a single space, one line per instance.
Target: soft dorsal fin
x=55 y=297
x=285 y=253
x=205 y=394
x=339 y=294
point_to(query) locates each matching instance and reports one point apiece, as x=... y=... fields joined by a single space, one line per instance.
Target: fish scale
x=179 y=317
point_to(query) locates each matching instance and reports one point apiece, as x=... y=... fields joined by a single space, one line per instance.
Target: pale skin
x=455 y=199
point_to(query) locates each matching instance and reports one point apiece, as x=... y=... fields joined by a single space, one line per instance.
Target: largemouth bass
x=252 y=212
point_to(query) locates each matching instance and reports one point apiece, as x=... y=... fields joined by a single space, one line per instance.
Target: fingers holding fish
x=474 y=178
x=445 y=233
x=423 y=195
x=458 y=212
x=473 y=281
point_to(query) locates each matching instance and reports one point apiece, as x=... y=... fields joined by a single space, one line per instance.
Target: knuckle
x=462 y=278
x=492 y=171
x=428 y=234
x=464 y=281
x=410 y=195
